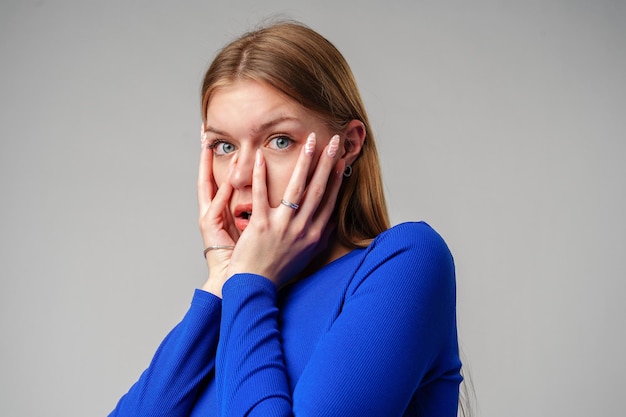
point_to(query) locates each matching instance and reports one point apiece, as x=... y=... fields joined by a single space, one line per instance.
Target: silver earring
x=348 y=171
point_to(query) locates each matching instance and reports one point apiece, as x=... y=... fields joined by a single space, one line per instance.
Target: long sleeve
x=249 y=357
x=169 y=386
x=391 y=349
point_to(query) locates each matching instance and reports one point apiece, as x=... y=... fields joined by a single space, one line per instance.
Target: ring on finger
x=289 y=204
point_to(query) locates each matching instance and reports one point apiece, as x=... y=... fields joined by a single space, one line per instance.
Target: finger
x=229 y=221
x=260 y=205
x=297 y=183
x=317 y=186
x=218 y=218
x=329 y=201
x=219 y=203
x=206 y=185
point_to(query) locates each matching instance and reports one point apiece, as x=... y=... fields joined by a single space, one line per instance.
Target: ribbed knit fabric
x=371 y=334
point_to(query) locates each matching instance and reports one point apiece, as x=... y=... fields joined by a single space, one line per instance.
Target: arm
x=187 y=355
x=396 y=334
x=397 y=322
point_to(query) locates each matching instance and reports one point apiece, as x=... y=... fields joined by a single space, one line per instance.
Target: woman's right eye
x=221 y=147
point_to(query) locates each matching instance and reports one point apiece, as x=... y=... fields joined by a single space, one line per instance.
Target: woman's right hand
x=216 y=224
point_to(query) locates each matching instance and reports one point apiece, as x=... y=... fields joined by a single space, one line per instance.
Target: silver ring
x=210 y=248
x=289 y=204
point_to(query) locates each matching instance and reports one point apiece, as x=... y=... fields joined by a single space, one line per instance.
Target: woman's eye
x=221 y=147
x=280 y=142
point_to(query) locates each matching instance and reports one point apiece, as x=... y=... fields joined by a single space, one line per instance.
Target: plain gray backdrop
x=500 y=123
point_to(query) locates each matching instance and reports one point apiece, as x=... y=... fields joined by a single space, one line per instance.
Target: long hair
x=305 y=66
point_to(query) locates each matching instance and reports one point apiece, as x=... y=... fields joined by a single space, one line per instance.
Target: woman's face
x=249 y=115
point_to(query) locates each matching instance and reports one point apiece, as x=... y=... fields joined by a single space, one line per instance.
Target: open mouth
x=242 y=214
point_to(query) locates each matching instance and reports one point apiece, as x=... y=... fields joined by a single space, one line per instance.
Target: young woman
x=313 y=306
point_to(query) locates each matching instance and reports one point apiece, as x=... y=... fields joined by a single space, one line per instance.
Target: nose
x=241 y=169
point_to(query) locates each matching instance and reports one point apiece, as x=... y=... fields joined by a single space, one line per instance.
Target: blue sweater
x=371 y=334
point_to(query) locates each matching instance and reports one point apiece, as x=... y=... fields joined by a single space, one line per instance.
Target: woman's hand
x=216 y=224
x=279 y=242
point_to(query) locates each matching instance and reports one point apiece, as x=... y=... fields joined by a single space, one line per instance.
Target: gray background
x=500 y=123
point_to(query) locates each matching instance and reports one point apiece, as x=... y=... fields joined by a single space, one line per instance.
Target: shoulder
x=414 y=237
x=409 y=255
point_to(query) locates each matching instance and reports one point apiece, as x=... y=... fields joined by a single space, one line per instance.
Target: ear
x=353 y=139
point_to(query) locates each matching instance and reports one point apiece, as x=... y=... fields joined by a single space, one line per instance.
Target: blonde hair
x=306 y=67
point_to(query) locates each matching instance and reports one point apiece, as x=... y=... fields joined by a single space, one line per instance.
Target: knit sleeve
x=250 y=372
x=395 y=335
x=168 y=387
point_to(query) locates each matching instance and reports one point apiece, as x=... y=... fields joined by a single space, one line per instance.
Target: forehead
x=247 y=99
x=248 y=107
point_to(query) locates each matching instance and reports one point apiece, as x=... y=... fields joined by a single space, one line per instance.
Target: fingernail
x=202 y=133
x=309 y=146
x=258 y=159
x=333 y=146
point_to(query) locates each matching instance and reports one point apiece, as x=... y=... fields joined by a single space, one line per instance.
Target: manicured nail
x=202 y=133
x=309 y=146
x=333 y=146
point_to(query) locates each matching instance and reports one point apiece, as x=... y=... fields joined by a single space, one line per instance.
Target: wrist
x=212 y=286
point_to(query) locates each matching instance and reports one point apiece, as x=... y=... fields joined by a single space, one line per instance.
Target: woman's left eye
x=280 y=142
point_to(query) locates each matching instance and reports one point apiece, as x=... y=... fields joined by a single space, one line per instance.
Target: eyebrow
x=263 y=127
x=267 y=125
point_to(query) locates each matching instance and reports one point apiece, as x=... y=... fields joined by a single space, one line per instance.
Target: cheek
x=220 y=171
x=278 y=175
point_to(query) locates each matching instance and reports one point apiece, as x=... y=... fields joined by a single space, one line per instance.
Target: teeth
x=246 y=214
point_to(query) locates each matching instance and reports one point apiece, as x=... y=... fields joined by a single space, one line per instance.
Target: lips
x=242 y=214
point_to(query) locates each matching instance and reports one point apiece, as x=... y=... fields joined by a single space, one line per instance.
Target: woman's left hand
x=279 y=242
